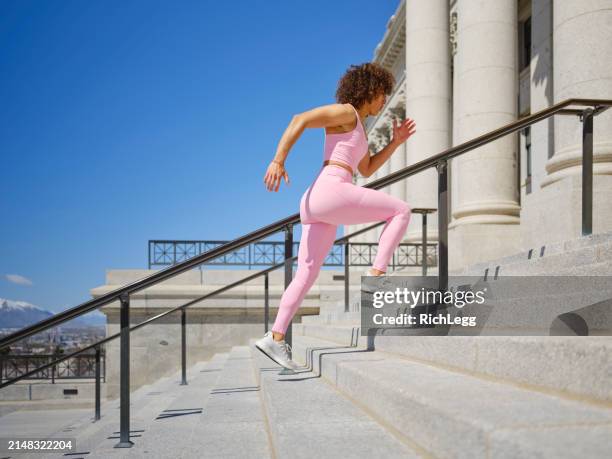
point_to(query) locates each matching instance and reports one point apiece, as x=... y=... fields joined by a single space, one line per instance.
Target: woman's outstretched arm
x=320 y=117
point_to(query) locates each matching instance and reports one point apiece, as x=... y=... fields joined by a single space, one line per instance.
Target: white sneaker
x=373 y=283
x=278 y=351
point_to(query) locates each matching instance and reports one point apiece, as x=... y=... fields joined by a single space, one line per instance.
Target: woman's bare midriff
x=339 y=164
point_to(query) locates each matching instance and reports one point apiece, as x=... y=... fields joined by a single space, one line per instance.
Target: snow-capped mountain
x=19 y=314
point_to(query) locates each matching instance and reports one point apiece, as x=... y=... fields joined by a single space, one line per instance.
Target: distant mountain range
x=18 y=314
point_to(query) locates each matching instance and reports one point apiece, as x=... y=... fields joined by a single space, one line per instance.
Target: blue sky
x=135 y=120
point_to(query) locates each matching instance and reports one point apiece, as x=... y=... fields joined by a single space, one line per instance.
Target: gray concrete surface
x=309 y=418
x=448 y=413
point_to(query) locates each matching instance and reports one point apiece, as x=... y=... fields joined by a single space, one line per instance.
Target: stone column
x=533 y=234
x=582 y=68
x=428 y=102
x=486 y=215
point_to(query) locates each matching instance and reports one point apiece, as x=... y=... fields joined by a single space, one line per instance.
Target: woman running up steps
x=332 y=199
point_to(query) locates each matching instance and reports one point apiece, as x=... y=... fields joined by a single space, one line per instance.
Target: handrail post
x=346 y=276
x=288 y=273
x=4 y=366
x=97 y=409
x=442 y=225
x=424 y=244
x=124 y=365
x=587 y=171
x=266 y=302
x=183 y=347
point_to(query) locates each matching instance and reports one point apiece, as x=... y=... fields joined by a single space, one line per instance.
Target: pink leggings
x=330 y=201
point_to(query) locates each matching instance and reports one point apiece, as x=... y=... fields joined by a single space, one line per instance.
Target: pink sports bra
x=347 y=147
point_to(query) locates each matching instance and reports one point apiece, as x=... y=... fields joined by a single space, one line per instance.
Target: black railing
x=81 y=366
x=439 y=161
x=267 y=253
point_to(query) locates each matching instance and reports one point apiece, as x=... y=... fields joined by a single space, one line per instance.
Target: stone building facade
x=466 y=67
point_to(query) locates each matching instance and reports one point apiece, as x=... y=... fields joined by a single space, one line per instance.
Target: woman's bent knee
x=404 y=210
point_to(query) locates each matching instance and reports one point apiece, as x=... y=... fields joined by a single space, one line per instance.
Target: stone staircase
x=584 y=256
x=235 y=406
x=308 y=417
x=481 y=396
x=453 y=412
x=349 y=401
x=381 y=396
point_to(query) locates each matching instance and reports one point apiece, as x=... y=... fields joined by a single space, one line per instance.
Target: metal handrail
x=341 y=240
x=599 y=106
x=148 y=281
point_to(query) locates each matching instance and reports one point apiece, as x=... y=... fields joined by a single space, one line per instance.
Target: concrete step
x=531 y=254
x=309 y=418
x=547 y=259
x=53 y=402
x=233 y=424
x=539 y=315
x=558 y=261
x=203 y=418
x=165 y=429
x=37 y=390
x=602 y=268
x=338 y=316
x=505 y=317
x=569 y=366
x=519 y=305
x=452 y=414
x=336 y=332
x=145 y=404
x=334 y=313
x=43 y=405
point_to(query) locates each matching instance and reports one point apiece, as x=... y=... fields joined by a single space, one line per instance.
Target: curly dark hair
x=363 y=83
